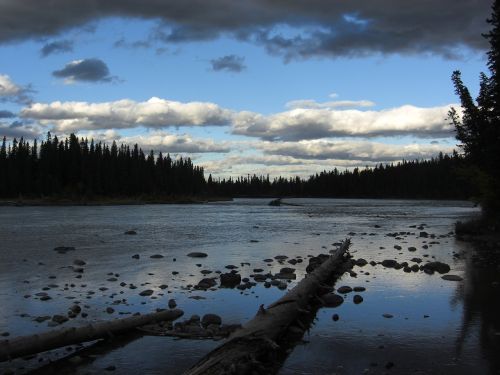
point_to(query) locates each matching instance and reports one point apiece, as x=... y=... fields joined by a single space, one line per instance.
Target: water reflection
x=480 y=296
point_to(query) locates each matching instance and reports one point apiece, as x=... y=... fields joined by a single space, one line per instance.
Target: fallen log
x=254 y=349
x=37 y=343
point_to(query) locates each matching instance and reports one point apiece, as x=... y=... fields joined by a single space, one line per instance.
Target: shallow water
x=458 y=335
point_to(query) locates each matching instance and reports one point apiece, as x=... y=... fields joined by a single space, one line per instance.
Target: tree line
x=79 y=168
x=437 y=178
x=74 y=168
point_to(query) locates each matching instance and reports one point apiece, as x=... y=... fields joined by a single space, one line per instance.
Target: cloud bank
x=292 y=125
x=122 y=114
x=298 y=29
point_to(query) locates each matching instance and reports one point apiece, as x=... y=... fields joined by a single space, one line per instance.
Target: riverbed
x=408 y=322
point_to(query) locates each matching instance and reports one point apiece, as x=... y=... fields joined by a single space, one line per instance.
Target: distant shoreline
x=126 y=201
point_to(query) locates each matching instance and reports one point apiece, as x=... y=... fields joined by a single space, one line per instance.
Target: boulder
x=230 y=280
x=332 y=300
x=344 y=289
x=357 y=299
x=437 y=267
x=389 y=263
x=360 y=262
x=211 y=319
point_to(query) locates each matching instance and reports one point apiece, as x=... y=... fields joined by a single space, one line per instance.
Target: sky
x=273 y=87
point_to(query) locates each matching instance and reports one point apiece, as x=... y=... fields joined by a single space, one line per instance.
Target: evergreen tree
x=478 y=129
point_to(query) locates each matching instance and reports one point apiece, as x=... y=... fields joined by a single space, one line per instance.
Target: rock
x=357 y=299
x=258 y=270
x=211 y=319
x=172 y=304
x=136 y=256
x=344 y=289
x=64 y=249
x=282 y=285
x=156 y=256
x=390 y=263
x=335 y=317
x=388 y=316
x=424 y=234
x=359 y=289
x=231 y=267
x=79 y=262
x=397 y=247
x=110 y=368
x=75 y=309
x=206 y=283
x=110 y=310
x=332 y=300
x=287 y=270
x=452 y=278
x=41 y=319
x=416 y=260
x=437 y=266
x=260 y=278
x=280 y=257
x=286 y=276
x=360 y=262
x=146 y=293
x=415 y=268
x=59 y=319
x=412 y=248
x=230 y=280
x=130 y=232
x=197 y=254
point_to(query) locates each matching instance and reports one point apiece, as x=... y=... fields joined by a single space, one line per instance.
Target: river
x=437 y=326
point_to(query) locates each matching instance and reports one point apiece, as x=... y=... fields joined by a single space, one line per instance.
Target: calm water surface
x=458 y=335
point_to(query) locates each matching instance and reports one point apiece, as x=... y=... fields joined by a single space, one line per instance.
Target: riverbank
x=106 y=201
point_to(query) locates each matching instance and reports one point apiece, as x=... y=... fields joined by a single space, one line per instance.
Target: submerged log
x=32 y=344
x=255 y=347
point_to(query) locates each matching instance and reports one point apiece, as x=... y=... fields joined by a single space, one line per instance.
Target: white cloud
x=316 y=123
x=311 y=121
x=8 y=88
x=153 y=113
x=312 y=104
x=360 y=151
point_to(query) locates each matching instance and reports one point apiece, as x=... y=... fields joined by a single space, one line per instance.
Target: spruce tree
x=478 y=128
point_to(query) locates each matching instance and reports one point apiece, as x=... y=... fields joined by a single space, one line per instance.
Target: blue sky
x=268 y=92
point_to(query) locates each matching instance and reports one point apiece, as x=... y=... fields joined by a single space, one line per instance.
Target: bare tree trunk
x=251 y=349
x=32 y=344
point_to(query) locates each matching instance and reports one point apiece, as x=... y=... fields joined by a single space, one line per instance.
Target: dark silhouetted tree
x=478 y=127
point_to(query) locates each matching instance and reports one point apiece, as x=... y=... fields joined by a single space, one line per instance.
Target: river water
x=437 y=326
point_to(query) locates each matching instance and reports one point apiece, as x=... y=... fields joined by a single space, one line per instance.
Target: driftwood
x=32 y=344
x=255 y=348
